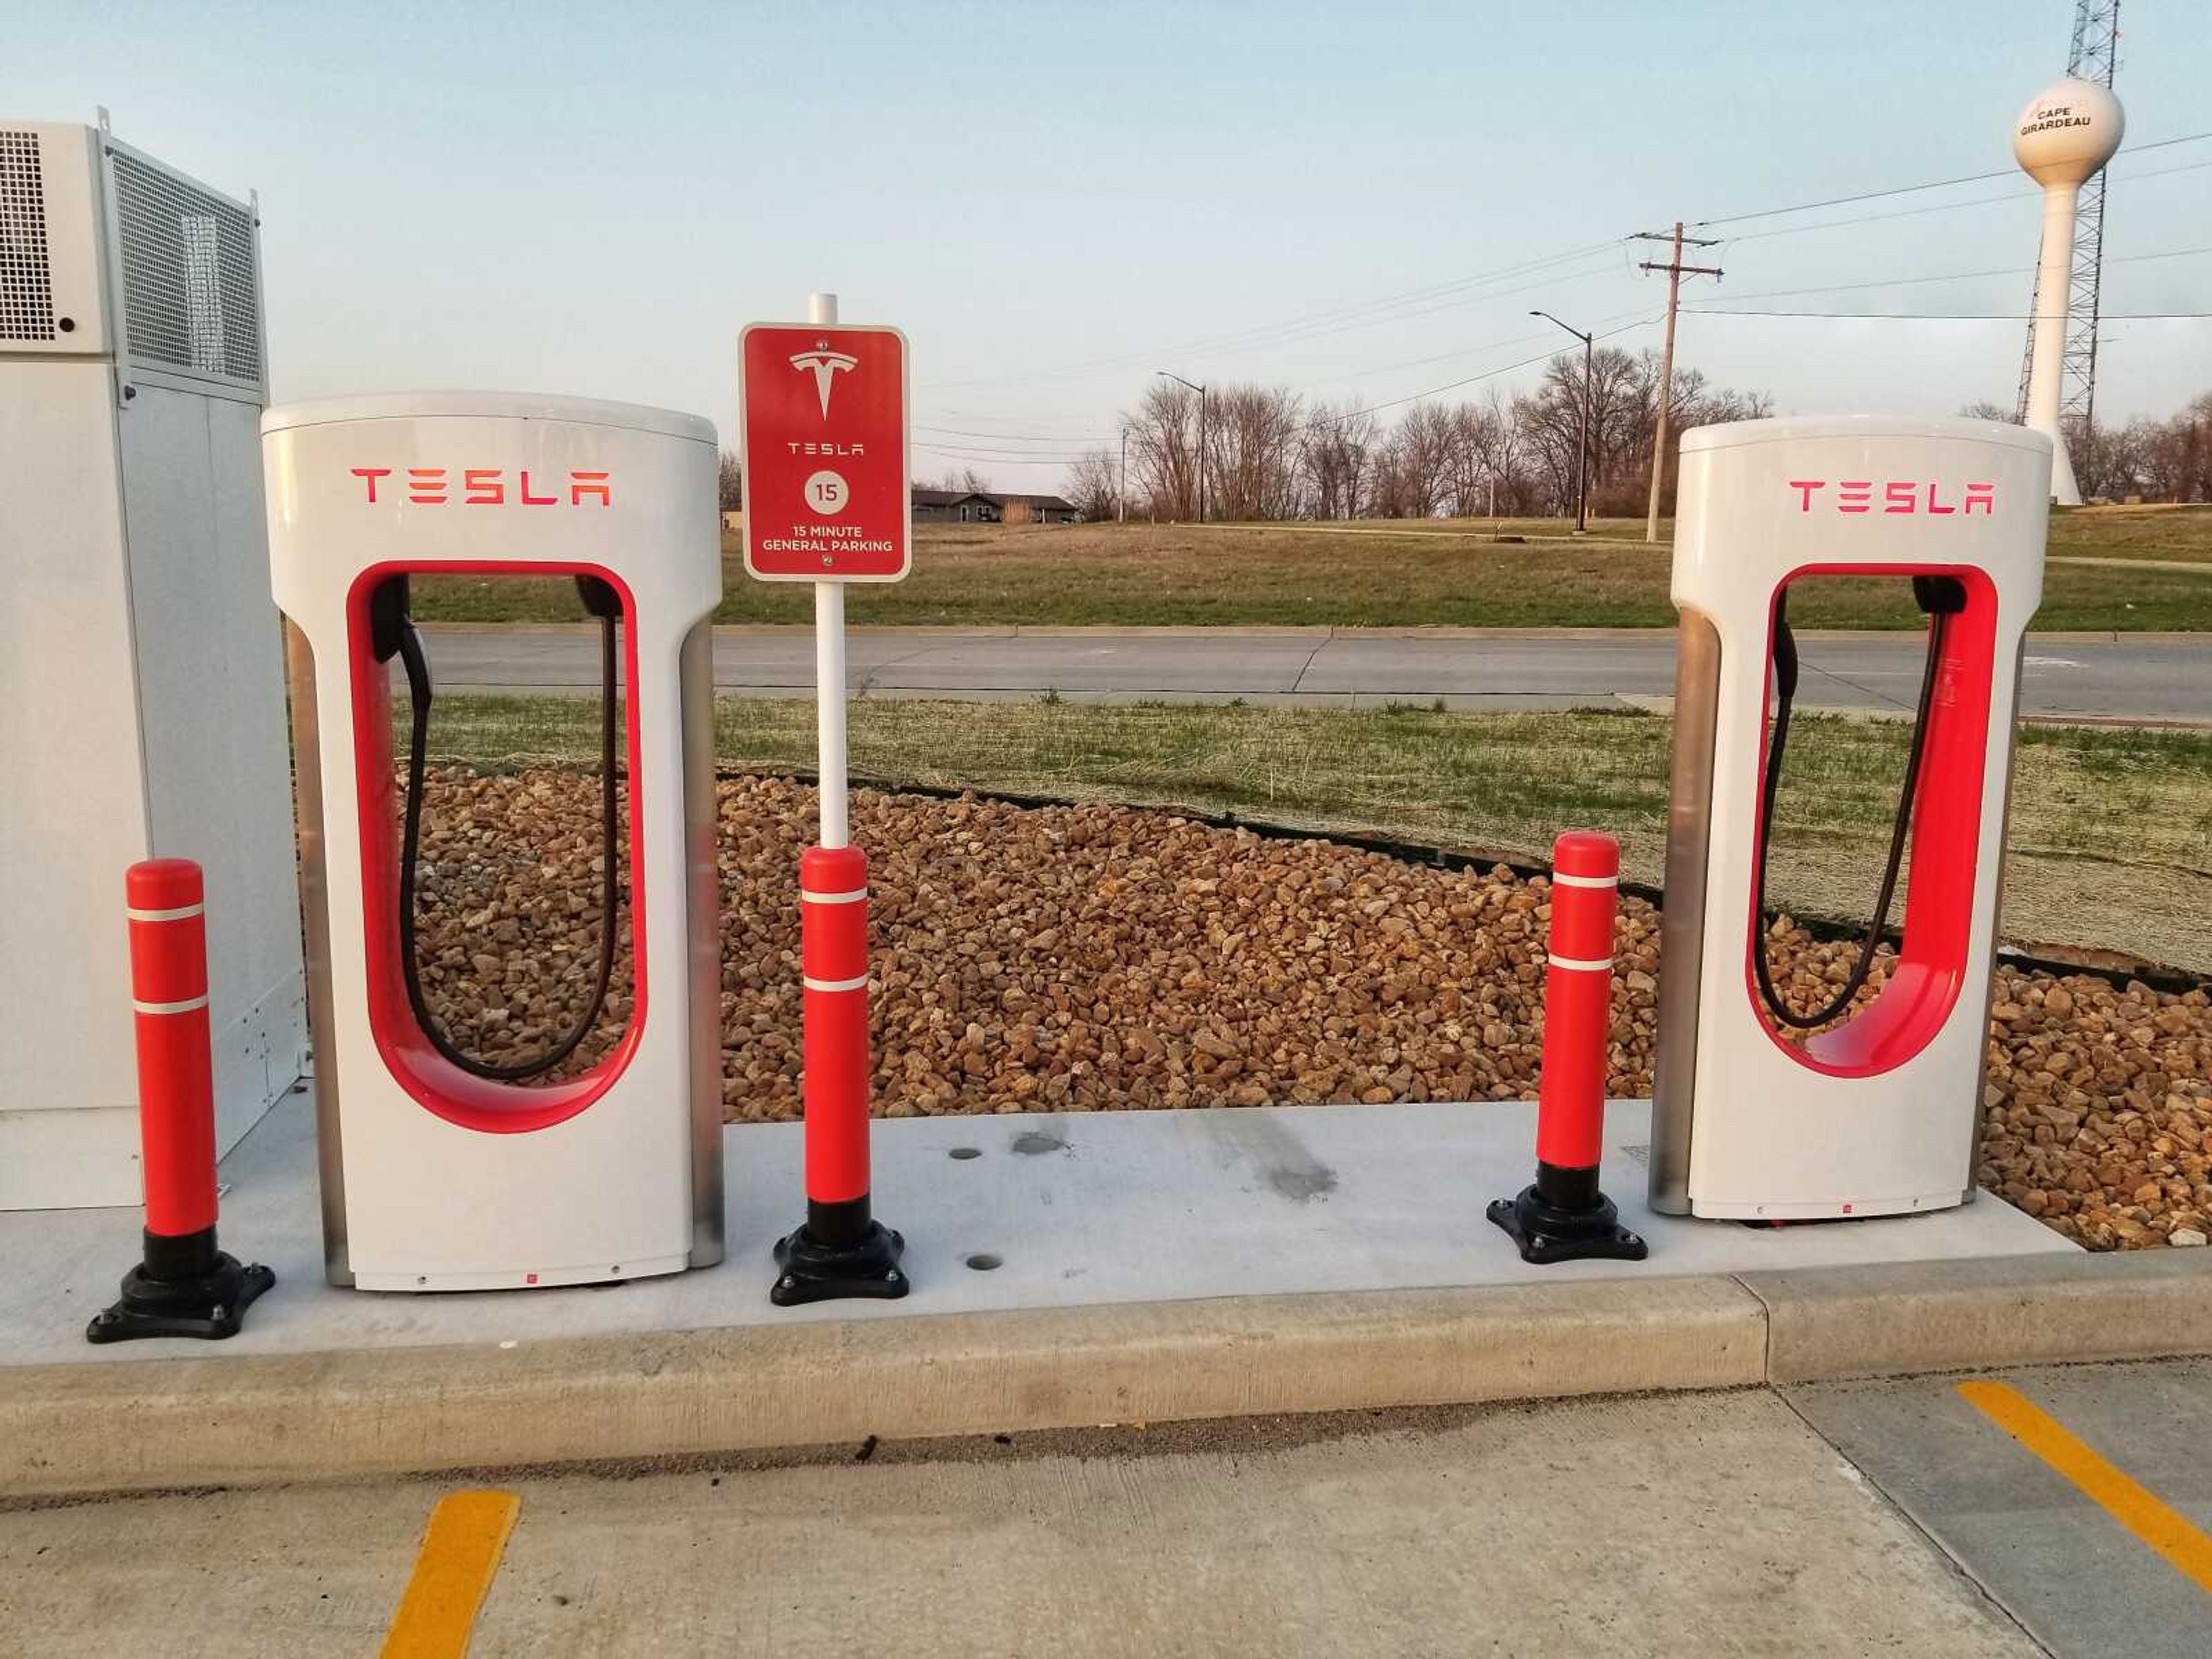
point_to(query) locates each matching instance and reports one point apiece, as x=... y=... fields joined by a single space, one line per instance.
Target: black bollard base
x=1548 y=1233
x=849 y=1261
x=207 y=1299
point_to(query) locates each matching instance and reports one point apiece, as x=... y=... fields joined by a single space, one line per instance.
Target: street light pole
x=1582 y=451
x=1200 y=390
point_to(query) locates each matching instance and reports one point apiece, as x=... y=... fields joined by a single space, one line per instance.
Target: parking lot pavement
x=2079 y=1497
x=1693 y=1523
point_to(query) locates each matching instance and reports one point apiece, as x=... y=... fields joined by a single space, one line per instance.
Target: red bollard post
x=841 y=1251
x=1563 y=1216
x=183 y=1285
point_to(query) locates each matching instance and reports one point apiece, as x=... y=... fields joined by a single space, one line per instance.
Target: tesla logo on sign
x=823 y=363
x=822 y=443
x=1898 y=495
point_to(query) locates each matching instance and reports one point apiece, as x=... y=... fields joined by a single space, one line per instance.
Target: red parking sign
x=823 y=438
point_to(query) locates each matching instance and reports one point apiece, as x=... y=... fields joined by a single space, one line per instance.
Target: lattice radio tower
x=2093 y=57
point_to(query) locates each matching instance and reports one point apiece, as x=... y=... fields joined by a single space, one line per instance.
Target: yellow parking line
x=460 y=1553
x=2135 y=1507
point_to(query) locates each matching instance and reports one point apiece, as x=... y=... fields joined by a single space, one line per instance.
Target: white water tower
x=2065 y=135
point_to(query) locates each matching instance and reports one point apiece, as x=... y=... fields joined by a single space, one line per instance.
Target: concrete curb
x=139 y=1424
x=1897 y=1319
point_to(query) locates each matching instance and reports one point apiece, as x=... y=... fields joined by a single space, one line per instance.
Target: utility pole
x=1121 y=489
x=1674 y=269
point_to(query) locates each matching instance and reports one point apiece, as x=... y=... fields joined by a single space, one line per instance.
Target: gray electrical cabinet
x=142 y=679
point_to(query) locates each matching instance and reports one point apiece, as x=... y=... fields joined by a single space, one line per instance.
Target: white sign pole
x=830 y=662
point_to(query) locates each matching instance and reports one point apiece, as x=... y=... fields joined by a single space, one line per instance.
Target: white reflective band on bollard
x=1560 y=879
x=857 y=896
x=182 y=913
x=1583 y=964
x=814 y=984
x=185 y=1007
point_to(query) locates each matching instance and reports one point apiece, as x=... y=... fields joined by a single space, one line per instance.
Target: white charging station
x=435 y=1176
x=1876 y=1114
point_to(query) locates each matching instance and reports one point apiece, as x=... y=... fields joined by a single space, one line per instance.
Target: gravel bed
x=1088 y=958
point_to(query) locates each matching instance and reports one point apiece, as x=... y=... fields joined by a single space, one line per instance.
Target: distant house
x=990 y=507
x=953 y=506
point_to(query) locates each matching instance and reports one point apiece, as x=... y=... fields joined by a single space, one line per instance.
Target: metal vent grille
x=190 y=295
x=26 y=289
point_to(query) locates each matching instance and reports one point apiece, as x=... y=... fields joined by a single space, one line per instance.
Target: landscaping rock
x=1091 y=957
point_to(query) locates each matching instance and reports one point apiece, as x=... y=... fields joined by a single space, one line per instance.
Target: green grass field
x=1381 y=574
x=2111 y=839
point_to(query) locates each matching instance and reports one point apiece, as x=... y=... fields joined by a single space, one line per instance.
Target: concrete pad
x=1631 y=1529
x=2062 y=1566
x=1077 y=1268
x=1080 y=1209
x=2018 y=1309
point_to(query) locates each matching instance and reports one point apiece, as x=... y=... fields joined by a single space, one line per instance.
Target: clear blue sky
x=593 y=200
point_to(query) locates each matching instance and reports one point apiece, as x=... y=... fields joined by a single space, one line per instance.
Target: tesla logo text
x=824 y=364
x=1898 y=496
x=486 y=486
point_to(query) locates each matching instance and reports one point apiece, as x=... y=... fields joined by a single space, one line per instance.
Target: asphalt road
x=2164 y=677
x=2049 y=1514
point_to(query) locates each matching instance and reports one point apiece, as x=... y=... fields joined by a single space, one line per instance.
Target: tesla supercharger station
x=1762 y=1111
x=441 y=1171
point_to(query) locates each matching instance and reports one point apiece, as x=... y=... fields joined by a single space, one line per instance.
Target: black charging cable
x=1942 y=597
x=394 y=631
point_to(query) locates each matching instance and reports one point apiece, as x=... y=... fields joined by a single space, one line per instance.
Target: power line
x=1298 y=329
x=1062 y=438
x=1304 y=326
x=1954 y=276
x=1454 y=385
x=1292 y=330
x=1947 y=316
x=1439 y=357
x=1950 y=207
x=1862 y=196
x=966 y=452
x=1908 y=190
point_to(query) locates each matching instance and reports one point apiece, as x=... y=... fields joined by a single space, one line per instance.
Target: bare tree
x=1252 y=435
x=731 y=484
x=1094 y=486
x=2175 y=456
x=1163 y=449
x=1413 y=480
x=1337 y=455
x=963 y=481
x=1270 y=458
